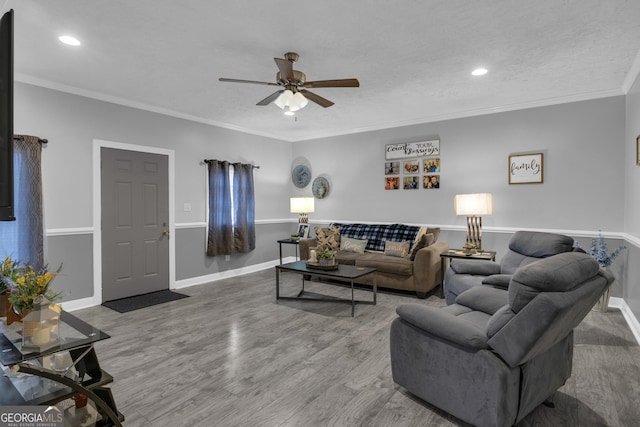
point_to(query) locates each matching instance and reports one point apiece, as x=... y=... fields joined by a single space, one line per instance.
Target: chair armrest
x=498 y=280
x=305 y=245
x=475 y=266
x=486 y=299
x=445 y=325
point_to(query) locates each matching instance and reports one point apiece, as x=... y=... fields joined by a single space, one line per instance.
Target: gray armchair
x=495 y=355
x=525 y=247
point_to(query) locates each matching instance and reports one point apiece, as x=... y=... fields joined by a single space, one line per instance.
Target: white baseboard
x=78 y=304
x=632 y=321
x=200 y=280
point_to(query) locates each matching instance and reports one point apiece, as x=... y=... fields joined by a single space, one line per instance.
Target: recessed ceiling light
x=479 y=71
x=71 y=41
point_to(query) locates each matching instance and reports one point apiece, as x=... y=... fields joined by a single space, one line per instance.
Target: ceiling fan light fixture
x=290 y=102
x=299 y=100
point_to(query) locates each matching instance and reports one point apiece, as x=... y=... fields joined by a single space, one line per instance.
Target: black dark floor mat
x=125 y=305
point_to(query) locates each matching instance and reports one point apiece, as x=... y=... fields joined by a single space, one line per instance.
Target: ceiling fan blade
x=269 y=99
x=333 y=83
x=222 y=79
x=286 y=68
x=323 y=102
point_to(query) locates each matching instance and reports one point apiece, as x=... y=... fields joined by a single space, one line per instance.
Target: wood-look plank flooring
x=232 y=356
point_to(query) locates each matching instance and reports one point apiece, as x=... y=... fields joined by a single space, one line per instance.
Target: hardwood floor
x=231 y=356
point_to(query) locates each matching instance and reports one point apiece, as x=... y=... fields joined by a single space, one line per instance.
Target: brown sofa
x=419 y=275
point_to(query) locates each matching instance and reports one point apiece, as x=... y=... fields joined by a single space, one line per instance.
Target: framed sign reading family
x=526 y=168
x=412 y=149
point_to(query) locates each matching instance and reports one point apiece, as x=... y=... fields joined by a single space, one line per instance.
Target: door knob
x=165 y=233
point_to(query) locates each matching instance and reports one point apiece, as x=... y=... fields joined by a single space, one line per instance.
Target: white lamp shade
x=302 y=204
x=473 y=204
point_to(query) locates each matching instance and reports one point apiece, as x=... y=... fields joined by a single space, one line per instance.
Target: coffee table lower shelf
x=348 y=273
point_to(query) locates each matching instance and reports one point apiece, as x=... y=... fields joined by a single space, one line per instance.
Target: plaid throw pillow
x=328 y=237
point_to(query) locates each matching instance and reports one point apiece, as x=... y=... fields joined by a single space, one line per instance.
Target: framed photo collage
x=411 y=166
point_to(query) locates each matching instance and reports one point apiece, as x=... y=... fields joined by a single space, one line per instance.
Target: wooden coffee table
x=348 y=273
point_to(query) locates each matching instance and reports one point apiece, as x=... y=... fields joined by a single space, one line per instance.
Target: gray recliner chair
x=525 y=247
x=495 y=355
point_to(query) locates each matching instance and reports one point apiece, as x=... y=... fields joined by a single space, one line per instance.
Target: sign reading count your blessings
x=412 y=149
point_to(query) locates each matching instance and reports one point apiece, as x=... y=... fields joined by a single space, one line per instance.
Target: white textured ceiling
x=413 y=58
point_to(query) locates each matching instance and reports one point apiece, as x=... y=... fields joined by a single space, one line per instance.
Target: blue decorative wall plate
x=320 y=187
x=301 y=176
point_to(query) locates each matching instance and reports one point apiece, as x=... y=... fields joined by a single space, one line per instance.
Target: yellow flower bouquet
x=26 y=284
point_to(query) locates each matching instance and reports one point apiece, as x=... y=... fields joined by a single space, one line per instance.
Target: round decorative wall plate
x=320 y=187
x=301 y=176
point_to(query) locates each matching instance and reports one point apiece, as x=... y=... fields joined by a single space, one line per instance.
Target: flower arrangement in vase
x=25 y=284
x=326 y=256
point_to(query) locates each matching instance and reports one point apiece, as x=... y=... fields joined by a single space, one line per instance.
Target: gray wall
x=583 y=146
x=71 y=123
x=584 y=171
x=632 y=199
x=587 y=146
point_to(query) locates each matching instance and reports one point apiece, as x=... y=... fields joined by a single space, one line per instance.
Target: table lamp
x=474 y=205
x=302 y=206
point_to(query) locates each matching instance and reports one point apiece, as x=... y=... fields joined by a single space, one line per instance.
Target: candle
x=312 y=256
x=41 y=336
x=59 y=362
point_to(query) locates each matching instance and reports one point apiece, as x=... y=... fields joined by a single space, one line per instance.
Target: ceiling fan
x=294 y=93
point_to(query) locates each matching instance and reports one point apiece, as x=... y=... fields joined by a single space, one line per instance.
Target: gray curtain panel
x=244 y=236
x=23 y=239
x=231 y=225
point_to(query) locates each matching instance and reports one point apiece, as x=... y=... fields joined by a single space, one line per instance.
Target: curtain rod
x=40 y=140
x=213 y=160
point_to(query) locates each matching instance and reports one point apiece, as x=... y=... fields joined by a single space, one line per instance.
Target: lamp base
x=474 y=231
x=304 y=218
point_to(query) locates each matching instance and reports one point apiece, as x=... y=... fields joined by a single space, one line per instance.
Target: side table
x=289 y=241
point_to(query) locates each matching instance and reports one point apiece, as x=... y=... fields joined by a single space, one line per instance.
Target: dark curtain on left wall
x=23 y=239
x=231 y=225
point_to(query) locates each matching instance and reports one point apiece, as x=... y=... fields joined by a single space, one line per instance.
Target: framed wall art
x=638 y=150
x=410 y=183
x=392 y=168
x=526 y=168
x=411 y=166
x=392 y=183
x=431 y=181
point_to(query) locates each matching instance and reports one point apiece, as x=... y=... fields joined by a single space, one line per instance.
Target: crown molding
x=317 y=135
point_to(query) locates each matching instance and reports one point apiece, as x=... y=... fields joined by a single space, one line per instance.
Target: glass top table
x=74 y=333
x=57 y=373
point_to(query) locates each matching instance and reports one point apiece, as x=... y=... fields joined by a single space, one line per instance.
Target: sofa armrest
x=427 y=271
x=444 y=324
x=305 y=245
x=475 y=266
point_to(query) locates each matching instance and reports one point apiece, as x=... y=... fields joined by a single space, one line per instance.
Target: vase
x=326 y=261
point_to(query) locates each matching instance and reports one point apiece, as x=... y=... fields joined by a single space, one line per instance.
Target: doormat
x=125 y=305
